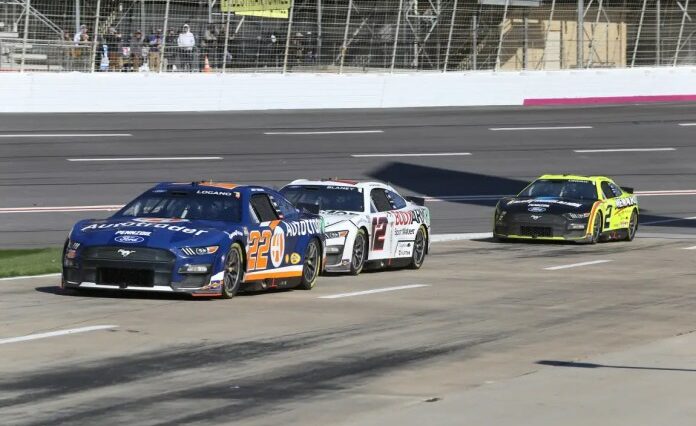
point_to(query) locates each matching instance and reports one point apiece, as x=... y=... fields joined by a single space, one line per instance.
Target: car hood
x=332 y=217
x=545 y=205
x=153 y=232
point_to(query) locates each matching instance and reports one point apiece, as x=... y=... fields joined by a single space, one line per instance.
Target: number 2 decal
x=379 y=231
x=259 y=244
x=607 y=220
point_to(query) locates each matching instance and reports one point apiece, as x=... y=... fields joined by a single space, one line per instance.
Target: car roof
x=573 y=177
x=340 y=182
x=224 y=186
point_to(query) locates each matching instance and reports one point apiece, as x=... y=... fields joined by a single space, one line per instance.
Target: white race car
x=367 y=224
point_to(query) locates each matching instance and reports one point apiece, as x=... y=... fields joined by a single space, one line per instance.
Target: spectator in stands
x=155 y=43
x=113 y=41
x=170 y=59
x=186 y=43
x=137 y=42
x=80 y=50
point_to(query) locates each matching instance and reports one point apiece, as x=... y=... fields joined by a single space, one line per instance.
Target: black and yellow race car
x=568 y=207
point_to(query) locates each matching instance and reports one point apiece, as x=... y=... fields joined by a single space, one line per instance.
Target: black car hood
x=545 y=205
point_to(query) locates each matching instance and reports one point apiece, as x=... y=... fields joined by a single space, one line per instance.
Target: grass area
x=29 y=261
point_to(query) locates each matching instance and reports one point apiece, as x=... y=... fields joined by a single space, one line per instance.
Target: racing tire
x=311 y=266
x=359 y=255
x=597 y=228
x=419 y=249
x=234 y=268
x=632 y=226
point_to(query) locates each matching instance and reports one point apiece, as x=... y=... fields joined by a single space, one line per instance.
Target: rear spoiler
x=627 y=189
x=419 y=201
x=308 y=207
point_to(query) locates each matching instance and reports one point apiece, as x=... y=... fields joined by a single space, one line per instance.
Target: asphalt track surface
x=484 y=333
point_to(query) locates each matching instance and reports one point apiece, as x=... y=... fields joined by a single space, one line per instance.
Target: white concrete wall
x=105 y=92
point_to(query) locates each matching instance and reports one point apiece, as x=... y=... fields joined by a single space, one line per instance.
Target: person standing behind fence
x=186 y=43
x=113 y=44
x=81 y=42
x=155 y=43
x=136 y=50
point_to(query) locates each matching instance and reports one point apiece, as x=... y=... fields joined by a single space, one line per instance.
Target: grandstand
x=347 y=35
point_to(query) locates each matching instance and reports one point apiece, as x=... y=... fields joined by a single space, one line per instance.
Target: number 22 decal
x=259 y=244
x=379 y=231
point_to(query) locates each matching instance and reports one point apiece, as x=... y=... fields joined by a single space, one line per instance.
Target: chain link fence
x=343 y=36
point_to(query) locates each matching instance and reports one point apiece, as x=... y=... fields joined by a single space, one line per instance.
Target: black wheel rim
x=595 y=229
x=232 y=271
x=419 y=248
x=311 y=263
x=633 y=225
x=358 y=252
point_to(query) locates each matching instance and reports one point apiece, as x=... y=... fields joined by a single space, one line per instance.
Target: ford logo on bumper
x=129 y=239
x=537 y=209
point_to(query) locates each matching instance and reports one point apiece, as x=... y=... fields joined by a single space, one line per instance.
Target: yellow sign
x=264 y=8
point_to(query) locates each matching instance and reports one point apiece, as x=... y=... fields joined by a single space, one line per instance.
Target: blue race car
x=203 y=238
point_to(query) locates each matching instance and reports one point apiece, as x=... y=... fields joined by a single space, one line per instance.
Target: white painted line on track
x=666 y=192
x=623 y=150
x=56 y=333
x=575 y=265
x=25 y=277
x=441 y=238
x=377 y=290
x=67 y=135
x=424 y=154
x=676 y=219
x=510 y=129
x=144 y=159
x=687 y=124
x=690 y=248
x=326 y=132
x=61 y=209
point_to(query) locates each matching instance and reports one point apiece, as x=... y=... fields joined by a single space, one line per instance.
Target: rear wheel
x=597 y=228
x=311 y=267
x=419 y=248
x=234 y=265
x=357 y=260
x=632 y=226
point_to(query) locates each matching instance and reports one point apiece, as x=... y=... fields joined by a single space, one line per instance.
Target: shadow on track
x=572 y=364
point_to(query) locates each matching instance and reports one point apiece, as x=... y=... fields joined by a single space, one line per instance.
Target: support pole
x=474 y=41
x=77 y=16
x=345 y=37
x=26 y=35
x=525 y=46
x=93 y=56
x=287 y=40
x=500 y=38
x=640 y=29
x=165 y=31
x=319 y=34
x=658 y=34
x=449 y=37
x=681 y=33
x=396 y=35
x=580 y=48
x=227 y=40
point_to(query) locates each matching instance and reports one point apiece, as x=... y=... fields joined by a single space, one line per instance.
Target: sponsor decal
x=625 y=202
x=404 y=232
x=404 y=249
x=137 y=233
x=303 y=227
x=158 y=220
x=125 y=253
x=337 y=212
x=209 y=192
x=277 y=246
x=561 y=202
x=295 y=258
x=233 y=234
x=410 y=217
x=536 y=209
x=129 y=239
x=140 y=224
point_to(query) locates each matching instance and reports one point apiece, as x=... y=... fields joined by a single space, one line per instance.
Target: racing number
x=379 y=231
x=260 y=243
x=607 y=220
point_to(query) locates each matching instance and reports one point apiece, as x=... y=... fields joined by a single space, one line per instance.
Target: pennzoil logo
x=295 y=258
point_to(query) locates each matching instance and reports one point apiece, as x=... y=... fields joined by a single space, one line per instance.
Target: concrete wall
x=104 y=92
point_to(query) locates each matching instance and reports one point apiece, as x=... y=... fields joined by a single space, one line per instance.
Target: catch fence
x=342 y=36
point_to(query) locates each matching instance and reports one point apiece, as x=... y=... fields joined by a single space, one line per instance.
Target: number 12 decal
x=379 y=232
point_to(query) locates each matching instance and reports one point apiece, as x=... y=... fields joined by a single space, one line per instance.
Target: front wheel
x=632 y=226
x=234 y=265
x=419 y=248
x=311 y=267
x=597 y=228
x=357 y=260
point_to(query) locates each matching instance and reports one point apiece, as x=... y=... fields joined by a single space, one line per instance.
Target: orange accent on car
x=257 y=276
